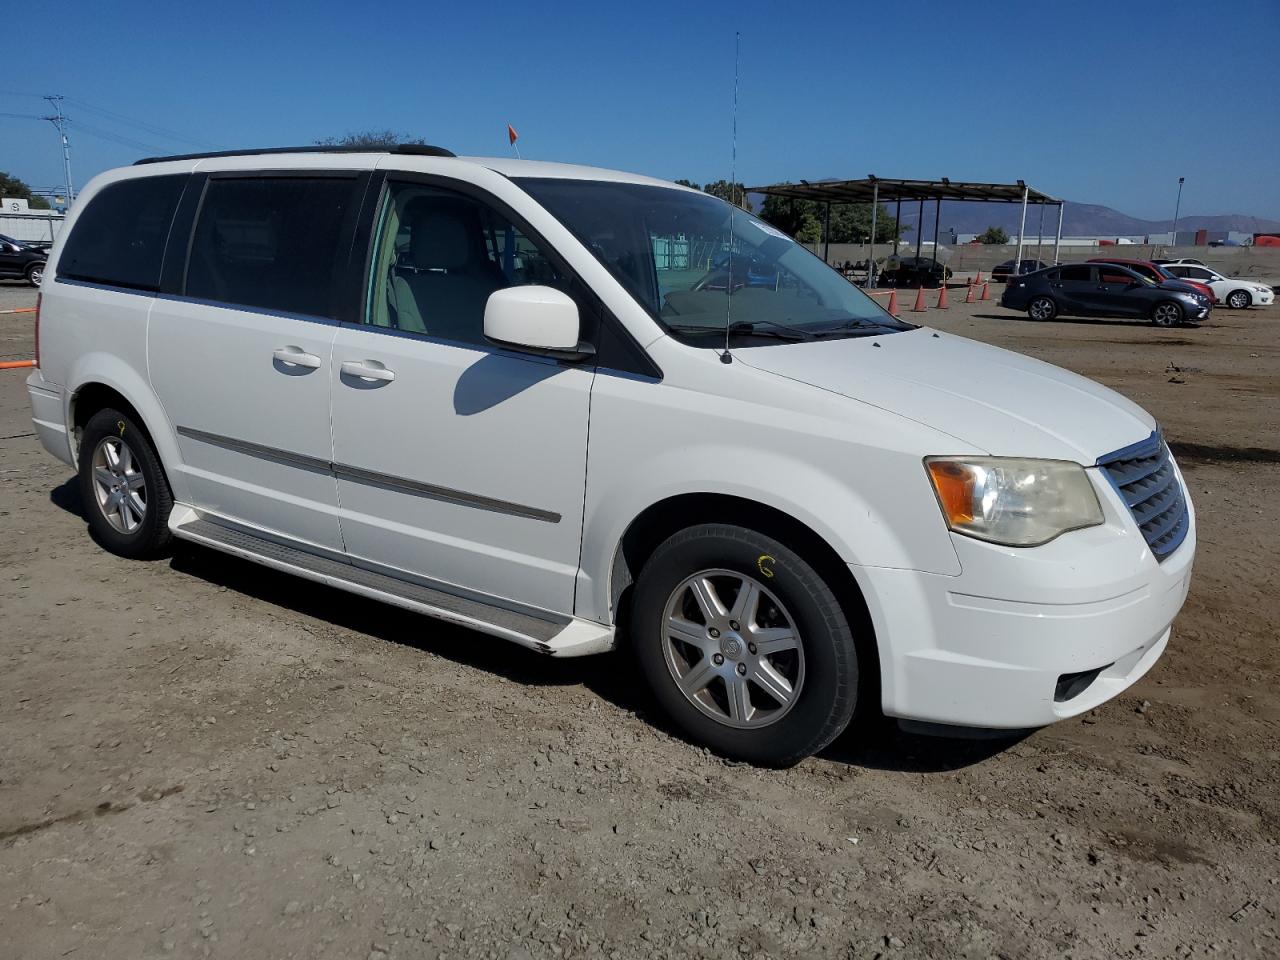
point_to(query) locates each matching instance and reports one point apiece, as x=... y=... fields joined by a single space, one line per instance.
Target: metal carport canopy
x=876 y=190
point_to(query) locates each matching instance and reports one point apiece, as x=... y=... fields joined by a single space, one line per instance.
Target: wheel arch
x=102 y=381
x=660 y=520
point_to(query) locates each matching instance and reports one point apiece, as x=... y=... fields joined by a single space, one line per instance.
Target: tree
x=734 y=193
x=689 y=183
x=372 y=139
x=11 y=186
x=993 y=235
x=850 y=222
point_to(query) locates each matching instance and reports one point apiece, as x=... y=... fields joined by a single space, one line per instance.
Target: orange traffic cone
x=942 y=297
x=893 y=303
x=919 y=307
x=986 y=294
x=979 y=279
x=971 y=294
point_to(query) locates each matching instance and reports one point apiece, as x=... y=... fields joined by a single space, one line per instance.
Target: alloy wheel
x=1238 y=300
x=1166 y=315
x=119 y=485
x=1041 y=309
x=733 y=649
x=36 y=275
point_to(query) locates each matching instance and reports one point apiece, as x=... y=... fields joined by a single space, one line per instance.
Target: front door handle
x=296 y=356
x=367 y=370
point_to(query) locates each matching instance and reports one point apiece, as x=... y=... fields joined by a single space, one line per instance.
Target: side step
x=554 y=635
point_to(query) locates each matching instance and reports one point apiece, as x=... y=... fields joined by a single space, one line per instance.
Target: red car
x=1157 y=274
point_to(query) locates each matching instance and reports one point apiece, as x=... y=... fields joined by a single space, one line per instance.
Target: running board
x=550 y=634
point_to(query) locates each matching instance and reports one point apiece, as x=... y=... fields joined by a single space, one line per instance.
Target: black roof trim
x=410 y=149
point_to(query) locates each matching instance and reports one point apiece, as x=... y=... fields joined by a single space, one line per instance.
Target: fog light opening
x=1071 y=685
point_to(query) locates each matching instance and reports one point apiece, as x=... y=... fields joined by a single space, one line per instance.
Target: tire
x=1239 y=300
x=34 y=274
x=126 y=495
x=812 y=659
x=1167 y=314
x=1042 y=308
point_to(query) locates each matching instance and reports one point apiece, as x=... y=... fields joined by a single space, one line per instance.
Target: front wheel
x=1239 y=300
x=125 y=492
x=744 y=645
x=1042 y=308
x=34 y=274
x=1167 y=314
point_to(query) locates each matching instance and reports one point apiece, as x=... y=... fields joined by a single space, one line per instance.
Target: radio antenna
x=726 y=357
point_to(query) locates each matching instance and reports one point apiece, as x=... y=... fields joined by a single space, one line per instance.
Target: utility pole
x=59 y=120
x=1177 y=208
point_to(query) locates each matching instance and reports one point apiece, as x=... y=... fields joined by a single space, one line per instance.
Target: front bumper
x=997 y=645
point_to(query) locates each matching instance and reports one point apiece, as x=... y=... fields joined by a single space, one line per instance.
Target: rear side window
x=271 y=243
x=119 y=238
x=1075 y=274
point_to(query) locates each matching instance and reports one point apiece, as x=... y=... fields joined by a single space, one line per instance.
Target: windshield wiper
x=746 y=328
x=852 y=323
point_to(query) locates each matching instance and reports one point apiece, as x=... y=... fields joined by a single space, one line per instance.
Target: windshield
x=696 y=264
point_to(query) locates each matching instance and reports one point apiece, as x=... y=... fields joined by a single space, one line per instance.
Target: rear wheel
x=744 y=645
x=124 y=489
x=1167 y=314
x=1239 y=300
x=34 y=274
x=1042 y=308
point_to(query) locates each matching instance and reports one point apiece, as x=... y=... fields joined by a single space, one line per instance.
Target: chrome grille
x=1145 y=477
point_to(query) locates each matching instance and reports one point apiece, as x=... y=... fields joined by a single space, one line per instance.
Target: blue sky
x=1091 y=102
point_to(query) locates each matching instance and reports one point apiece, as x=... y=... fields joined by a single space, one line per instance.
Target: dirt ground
x=200 y=757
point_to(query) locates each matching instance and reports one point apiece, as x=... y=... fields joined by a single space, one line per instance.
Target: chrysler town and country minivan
x=550 y=403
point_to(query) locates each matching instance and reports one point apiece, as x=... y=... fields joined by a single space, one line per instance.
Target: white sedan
x=1235 y=293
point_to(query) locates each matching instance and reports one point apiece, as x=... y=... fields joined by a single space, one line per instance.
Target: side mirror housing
x=535 y=319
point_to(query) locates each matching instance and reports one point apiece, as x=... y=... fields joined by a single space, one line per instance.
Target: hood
x=1001 y=402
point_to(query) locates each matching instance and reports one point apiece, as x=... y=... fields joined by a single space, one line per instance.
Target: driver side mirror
x=538 y=320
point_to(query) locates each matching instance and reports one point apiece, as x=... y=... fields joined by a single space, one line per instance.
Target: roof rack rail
x=411 y=149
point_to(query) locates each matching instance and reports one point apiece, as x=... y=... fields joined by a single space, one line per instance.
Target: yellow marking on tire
x=764 y=563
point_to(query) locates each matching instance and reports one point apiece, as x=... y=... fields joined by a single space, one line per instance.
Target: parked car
x=1158 y=274
x=1002 y=271
x=499 y=410
x=1237 y=293
x=17 y=259
x=914 y=272
x=1164 y=261
x=1101 y=290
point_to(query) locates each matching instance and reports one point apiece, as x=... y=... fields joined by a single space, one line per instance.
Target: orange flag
x=512 y=136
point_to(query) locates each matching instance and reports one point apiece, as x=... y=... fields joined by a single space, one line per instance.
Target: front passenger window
x=440 y=254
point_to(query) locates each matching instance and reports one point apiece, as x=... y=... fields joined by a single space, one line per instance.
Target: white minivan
x=574 y=408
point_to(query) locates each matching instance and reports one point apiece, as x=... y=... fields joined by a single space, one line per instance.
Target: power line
x=151 y=128
x=118 y=138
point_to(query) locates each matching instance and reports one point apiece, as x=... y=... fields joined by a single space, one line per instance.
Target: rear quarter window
x=120 y=237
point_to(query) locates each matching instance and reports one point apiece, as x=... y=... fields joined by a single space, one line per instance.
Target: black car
x=1002 y=271
x=19 y=260
x=1101 y=290
x=915 y=272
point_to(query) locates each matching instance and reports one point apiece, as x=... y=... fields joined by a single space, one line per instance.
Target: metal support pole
x=919 y=231
x=1022 y=226
x=871 y=246
x=1040 y=233
x=1057 y=242
x=826 y=234
x=897 y=227
x=1176 y=210
x=937 y=218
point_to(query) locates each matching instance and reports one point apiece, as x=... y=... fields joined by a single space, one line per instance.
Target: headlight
x=1262 y=289
x=1018 y=503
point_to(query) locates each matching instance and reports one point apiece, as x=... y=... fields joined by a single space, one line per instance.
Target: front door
x=1117 y=293
x=240 y=359
x=458 y=462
